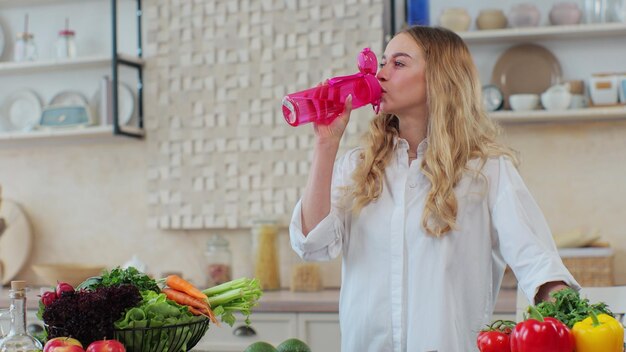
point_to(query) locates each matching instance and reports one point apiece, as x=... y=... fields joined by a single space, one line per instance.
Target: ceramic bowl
x=565 y=13
x=524 y=15
x=491 y=19
x=455 y=19
x=523 y=102
x=73 y=274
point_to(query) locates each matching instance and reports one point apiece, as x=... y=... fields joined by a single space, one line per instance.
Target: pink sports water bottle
x=322 y=104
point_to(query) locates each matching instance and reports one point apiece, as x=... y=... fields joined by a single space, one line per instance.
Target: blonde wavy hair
x=458 y=131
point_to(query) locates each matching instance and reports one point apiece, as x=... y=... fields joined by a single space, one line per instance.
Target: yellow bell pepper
x=599 y=333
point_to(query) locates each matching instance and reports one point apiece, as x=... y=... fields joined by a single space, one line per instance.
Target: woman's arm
x=316 y=198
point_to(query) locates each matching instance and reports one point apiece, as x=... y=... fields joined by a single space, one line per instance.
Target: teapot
x=557 y=97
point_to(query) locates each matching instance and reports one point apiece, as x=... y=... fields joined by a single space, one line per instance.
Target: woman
x=428 y=213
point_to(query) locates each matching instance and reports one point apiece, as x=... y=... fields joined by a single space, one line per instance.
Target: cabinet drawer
x=269 y=327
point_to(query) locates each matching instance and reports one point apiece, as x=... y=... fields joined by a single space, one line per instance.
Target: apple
x=63 y=287
x=106 y=346
x=63 y=344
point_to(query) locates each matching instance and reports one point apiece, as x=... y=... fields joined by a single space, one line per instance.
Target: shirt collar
x=421 y=148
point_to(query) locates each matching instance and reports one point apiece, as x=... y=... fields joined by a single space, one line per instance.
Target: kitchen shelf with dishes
x=71 y=116
x=577 y=31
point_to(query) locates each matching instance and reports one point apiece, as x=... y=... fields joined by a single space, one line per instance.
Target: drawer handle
x=244 y=331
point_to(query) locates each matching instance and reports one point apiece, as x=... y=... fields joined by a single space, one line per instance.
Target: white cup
x=523 y=102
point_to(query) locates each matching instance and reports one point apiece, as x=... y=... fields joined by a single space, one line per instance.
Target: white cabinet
x=319 y=330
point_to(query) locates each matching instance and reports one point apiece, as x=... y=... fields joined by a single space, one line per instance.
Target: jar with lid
x=18 y=339
x=218 y=261
x=265 y=254
x=25 y=49
x=66 y=46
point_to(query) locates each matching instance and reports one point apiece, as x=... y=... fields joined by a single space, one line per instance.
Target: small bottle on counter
x=218 y=259
x=265 y=254
x=18 y=339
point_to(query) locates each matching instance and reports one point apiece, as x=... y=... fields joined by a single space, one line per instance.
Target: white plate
x=126 y=101
x=22 y=110
x=69 y=98
x=15 y=242
x=1 y=41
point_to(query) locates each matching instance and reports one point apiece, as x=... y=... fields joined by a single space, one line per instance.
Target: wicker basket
x=591 y=267
x=591 y=271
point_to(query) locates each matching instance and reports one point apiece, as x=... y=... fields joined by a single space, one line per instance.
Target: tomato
x=494 y=341
x=496 y=337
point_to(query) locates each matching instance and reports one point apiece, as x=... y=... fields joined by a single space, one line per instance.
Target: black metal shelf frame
x=138 y=65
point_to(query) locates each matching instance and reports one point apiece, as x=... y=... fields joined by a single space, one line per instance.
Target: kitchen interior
x=195 y=163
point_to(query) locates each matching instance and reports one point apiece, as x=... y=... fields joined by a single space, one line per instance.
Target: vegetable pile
x=569 y=307
x=88 y=316
x=566 y=324
x=111 y=305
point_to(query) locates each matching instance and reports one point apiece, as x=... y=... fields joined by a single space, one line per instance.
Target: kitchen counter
x=326 y=301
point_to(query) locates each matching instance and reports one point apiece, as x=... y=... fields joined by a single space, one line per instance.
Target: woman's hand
x=334 y=131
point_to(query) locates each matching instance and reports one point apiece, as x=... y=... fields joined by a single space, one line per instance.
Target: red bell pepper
x=496 y=337
x=539 y=334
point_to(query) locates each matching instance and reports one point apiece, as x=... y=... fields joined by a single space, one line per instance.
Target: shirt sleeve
x=524 y=237
x=324 y=241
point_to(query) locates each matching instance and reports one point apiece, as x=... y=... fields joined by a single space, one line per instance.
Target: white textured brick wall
x=221 y=154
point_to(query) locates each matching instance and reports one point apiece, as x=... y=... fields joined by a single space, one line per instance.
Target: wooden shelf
x=88 y=132
x=20 y=3
x=53 y=65
x=573 y=115
x=64 y=136
x=59 y=65
x=579 y=31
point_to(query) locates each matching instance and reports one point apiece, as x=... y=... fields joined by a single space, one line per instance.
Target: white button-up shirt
x=403 y=290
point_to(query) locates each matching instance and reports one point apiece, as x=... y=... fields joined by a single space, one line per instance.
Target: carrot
x=191 y=302
x=194 y=311
x=178 y=283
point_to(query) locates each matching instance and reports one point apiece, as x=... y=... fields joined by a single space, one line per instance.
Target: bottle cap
x=367 y=62
x=18 y=285
x=24 y=35
x=66 y=33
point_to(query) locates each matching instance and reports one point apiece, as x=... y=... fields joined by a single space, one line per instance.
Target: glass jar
x=25 y=49
x=265 y=254
x=218 y=261
x=18 y=339
x=66 y=46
